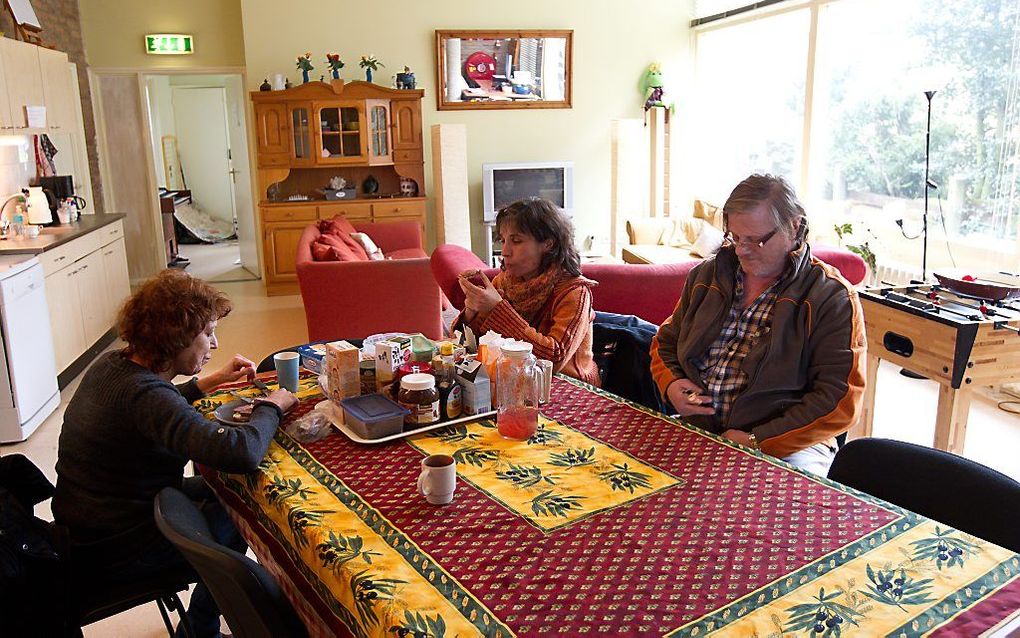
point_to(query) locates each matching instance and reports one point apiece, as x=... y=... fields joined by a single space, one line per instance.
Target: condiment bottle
x=450 y=402
x=419 y=395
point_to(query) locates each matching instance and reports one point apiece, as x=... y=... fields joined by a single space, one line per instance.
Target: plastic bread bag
x=313 y=426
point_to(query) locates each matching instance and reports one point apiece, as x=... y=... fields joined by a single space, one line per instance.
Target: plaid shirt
x=720 y=366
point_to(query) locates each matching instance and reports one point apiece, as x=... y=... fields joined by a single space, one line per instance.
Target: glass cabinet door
x=379 y=127
x=301 y=129
x=340 y=130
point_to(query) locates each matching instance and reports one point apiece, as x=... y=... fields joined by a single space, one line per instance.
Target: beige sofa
x=673 y=240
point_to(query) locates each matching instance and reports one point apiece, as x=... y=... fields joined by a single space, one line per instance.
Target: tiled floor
x=260 y=325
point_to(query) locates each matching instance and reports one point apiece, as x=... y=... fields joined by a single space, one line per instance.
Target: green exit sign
x=169 y=44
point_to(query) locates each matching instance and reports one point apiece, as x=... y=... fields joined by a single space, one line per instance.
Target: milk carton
x=343 y=370
x=389 y=356
x=476 y=395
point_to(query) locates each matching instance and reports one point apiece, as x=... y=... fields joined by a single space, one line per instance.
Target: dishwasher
x=28 y=374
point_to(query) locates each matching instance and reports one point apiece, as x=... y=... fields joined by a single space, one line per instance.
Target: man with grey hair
x=766 y=345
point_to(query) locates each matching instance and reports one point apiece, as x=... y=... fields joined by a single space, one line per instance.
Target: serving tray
x=349 y=433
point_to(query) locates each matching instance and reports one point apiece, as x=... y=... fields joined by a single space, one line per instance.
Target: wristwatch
x=753 y=440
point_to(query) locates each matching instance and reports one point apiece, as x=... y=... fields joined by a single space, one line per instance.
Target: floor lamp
x=927 y=185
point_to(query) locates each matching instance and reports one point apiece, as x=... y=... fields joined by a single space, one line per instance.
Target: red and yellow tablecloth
x=611 y=520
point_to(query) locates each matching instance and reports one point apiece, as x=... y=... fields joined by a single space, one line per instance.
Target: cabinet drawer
x=57 y=258
x=289 y=214
x=407 y=156
x=350 y=210
x=268 y=160
x=399 y=209
x=111 y=233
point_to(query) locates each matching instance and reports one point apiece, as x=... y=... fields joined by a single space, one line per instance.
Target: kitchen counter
x=52 y=236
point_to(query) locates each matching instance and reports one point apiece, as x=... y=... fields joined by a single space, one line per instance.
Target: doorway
x=200 y=152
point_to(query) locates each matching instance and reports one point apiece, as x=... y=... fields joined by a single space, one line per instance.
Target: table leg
x=866 y=423
x=951 y=418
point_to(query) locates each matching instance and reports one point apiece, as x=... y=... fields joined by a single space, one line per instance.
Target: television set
x=504 y=184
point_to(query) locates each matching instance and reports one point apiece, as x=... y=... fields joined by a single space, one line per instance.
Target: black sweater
x=127 y=434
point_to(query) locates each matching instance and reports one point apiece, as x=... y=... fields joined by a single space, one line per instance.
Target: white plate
x=352 y=435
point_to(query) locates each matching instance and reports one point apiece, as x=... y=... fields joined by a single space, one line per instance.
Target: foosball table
x=958 y=340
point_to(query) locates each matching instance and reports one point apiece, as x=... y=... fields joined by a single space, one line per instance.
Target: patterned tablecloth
x=612 y=520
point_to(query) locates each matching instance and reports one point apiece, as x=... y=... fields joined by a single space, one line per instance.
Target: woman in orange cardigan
x=540 y=297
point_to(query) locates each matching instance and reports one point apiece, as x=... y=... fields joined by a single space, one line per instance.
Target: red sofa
x=355 y=299
x=649 y=291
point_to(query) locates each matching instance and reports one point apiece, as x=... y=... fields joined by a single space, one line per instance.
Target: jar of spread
x=419 y=395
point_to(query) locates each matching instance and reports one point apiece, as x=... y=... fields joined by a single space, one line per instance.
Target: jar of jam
x=419 y=395
x=409 y=367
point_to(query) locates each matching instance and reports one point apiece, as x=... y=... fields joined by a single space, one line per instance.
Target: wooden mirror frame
x=442 y=35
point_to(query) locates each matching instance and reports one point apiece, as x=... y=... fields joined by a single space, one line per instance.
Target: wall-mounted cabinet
x=310 y=133
x=34 y=76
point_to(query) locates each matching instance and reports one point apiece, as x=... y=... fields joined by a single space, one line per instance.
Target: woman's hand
x=281 y=398
x=687 y=398
x=239 y=367
x=479 y=299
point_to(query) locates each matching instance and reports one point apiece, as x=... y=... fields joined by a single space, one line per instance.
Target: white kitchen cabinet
x=22 y=77
x=57 y=90
x=86 y=282
x=118 y=283
x=65 y=316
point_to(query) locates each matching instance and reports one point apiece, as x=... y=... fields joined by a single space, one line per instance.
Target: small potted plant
x=369 y=63
x=304 y=63
x=335 y=64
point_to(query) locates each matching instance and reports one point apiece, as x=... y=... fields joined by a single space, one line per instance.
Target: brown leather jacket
x=805 y=377
x=564 y=331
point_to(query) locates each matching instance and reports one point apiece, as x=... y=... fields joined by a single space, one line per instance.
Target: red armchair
x=650 y=291
x=355 y=299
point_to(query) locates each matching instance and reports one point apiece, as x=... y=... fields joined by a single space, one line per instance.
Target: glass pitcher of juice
x=518 y=389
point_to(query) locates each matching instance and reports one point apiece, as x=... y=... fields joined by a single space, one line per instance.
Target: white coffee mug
x=438 y=478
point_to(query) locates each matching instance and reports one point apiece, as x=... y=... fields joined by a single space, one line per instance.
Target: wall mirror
x=503 y=69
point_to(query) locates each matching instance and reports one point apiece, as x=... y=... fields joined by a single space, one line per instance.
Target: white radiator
x=896 y=274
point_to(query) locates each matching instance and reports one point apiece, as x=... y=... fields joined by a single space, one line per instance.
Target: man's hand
x=687 y=398
x=738 y=436
x=479 y=299
x=237 y=368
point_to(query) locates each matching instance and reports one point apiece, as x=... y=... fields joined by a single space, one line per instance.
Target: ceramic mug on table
x=287 y=369
x=438 y=478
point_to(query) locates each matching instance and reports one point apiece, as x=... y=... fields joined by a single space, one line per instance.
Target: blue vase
x=336 y=74
x=368 y=74
x=304 y=76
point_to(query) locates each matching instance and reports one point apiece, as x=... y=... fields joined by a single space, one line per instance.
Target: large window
x=864 y=149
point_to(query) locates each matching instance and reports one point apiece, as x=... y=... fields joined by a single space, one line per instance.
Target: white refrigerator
x=28 y=375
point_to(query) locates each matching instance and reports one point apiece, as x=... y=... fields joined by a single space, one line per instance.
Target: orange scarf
x=529 y=296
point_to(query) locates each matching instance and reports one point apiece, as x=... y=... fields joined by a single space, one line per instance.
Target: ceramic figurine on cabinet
x=370 y=185
x=265 y=85
x=405 y=80
x=408 y=187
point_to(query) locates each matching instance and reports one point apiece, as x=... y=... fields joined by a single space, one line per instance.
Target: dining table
x=612 y=519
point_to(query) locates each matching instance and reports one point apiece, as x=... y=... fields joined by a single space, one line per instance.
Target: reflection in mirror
x=503 y=69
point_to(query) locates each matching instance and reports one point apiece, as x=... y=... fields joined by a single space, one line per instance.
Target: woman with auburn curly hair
x=540 y=297
x=128 y=433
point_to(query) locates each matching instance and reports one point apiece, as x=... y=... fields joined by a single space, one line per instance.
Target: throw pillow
x=323 y=252
x=343 y=249
x=374 y=252
x=708 y=242
x=711 y=214
x=685 y=232
x=336 y=226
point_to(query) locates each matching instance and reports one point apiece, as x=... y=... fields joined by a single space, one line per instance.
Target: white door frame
x=158 y=250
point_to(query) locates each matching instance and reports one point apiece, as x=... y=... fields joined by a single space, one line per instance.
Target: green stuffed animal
x=654 y=89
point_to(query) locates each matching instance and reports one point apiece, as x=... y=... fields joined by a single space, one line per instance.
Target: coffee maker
x=59 y=191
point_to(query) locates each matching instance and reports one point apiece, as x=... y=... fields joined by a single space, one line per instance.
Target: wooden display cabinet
x=309 y=133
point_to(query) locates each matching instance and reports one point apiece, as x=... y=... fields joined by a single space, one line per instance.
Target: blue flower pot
x=368 y=75
x=304 y=76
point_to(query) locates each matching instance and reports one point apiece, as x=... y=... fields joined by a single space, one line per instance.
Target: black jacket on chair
x=32 y=574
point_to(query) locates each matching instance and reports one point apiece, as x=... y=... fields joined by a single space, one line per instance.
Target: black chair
x=99 y=603
x=944 y=487
x=246 y=593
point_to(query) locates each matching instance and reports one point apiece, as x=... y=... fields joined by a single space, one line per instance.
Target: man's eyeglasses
x=750 y=242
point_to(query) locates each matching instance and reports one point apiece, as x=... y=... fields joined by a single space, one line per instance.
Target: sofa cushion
x=374 y=252
x=708 y=242
x=685 y=232
x=342 y=250
x=341 y=228
x=710 y=213
x=406 y=253
x=650 y=230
